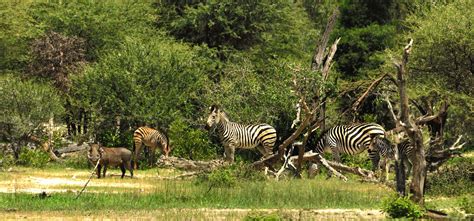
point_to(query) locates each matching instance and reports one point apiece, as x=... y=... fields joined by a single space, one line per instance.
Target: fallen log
x=190 y=165
x=73 y=147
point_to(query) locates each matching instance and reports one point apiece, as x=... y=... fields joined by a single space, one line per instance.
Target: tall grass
x=306 y=194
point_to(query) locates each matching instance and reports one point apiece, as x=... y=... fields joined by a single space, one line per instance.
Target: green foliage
x=220 y=178
x=115 y=138
x=359 y=160
x=103 y=24
x=76 y=161
x=453 y=179
x=34 y=158
x=359 y=48
x=443 y=46
x=398 y=207
x=467 y=204
x=221 y=23
x=263 y=217
x=17 y=30
x=6 y=160
x=26 y=105
x=271 y=29
x=189 y=142
x=360 y=13
x=147 y=80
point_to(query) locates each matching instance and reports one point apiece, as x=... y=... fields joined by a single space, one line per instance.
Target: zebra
x=151 y=138
x=406 y=154
x=234 y=135
x=351 y=139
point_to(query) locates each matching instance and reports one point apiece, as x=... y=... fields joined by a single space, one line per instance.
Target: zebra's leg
x=384 y=172
x=387 y=169
x=266 y=151
x=136 y=154
x=375 y=159
x=151 y=156
x=408 y=167
x=229 y=153
x=336 y=157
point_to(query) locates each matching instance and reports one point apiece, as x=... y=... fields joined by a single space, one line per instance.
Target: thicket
x=162 y=64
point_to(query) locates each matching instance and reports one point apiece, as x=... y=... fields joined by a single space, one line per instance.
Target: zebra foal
x=234 y=135
x=151 y=138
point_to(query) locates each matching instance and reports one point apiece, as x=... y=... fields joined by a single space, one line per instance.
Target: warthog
x=110 y=156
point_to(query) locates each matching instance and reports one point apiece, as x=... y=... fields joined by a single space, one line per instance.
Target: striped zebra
x=351 y=139
x=405 y=151
x=151 y=138
x=354 y=139
x=234 y=135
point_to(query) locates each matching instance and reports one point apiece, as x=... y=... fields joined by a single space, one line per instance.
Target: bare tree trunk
x=400 y=175
x=413 y=132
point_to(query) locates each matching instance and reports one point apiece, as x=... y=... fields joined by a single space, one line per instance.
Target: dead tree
x=312 y=99
x=411 y=129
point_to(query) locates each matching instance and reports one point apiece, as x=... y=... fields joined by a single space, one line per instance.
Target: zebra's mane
x=224 y=116
x=314 y=140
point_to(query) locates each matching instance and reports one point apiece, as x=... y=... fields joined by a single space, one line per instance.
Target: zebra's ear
x=214 y=108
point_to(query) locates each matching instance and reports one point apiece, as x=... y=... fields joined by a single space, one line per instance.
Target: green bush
x=77 y=161
x=467 y=204
x=189 y=142
x=398 y=207
x=6 y=160
x=220 y=178
x=26 y=105
x=453 y=179
x=34 y=158
x=263 y=217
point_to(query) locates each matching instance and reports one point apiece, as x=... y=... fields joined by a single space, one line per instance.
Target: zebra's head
x=385 y=147
x=214 y=116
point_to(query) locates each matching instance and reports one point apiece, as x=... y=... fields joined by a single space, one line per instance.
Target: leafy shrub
x=398 y=207
x=244 y=172
x=77 y=161
x=189 y=142
x=25 y=106
x=6 y=160
x=453 y=179
x=223 y=177
x=263 y=217
x=33 y=158
x=467 y=204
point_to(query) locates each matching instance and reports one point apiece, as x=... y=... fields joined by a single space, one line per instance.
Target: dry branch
x=46 y=146
x=319 y=54
x=90 y=177
x=185 y=164
x=361 y=99
x=436 y=156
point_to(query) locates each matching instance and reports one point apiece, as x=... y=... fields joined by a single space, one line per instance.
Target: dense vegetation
x=104 y=68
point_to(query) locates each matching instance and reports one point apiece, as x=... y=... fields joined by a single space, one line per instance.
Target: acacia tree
x=56 y=57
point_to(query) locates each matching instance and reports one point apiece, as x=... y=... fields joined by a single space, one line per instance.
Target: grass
x=148 y=193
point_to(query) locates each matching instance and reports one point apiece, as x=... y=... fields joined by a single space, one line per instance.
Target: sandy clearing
x=202 y=214
x=34 y=184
